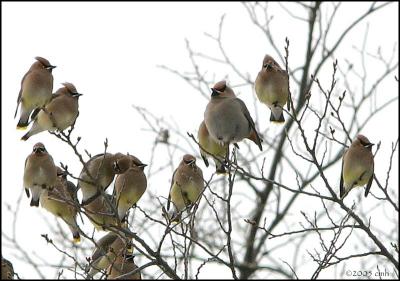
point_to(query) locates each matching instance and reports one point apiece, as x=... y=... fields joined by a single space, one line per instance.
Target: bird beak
x=370 y=145
x=78 y=94
x=214 y=92
x=141 y=166
x=51 y=67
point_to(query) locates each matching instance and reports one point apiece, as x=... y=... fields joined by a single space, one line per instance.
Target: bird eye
x=268 y=66
x=116 y=166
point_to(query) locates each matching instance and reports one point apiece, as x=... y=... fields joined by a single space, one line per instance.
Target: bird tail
x=34 y=202
x=176 y=217
x=26 y=136
x=277 y=116
x=73 y=226
x=204 y=159
x=220 y=167
x=33 y=131
x=24 y=119
x=254 y=137
x=76 y=237
x=36 y=192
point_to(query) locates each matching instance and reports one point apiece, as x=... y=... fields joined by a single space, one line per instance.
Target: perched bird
x=106 y=251
x=60 y=113
x=208 y=146
x=7 y=270
x=357 y=166
x=40 y=173
x=36 y=90
x=60 y=202
x=272 y=88
x=129 y=186
x=100 y=211
x=101 y=169
x=124 y=264
x=187 y=185
x=227 y=117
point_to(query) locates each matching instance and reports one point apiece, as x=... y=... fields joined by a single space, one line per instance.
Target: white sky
x=110 y=52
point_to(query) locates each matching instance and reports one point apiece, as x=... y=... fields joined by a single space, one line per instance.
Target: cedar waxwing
x=227 y=118
x=100 y=213
x=40 y=173
x=60 y=113
x=129 y=187
x=124 y=264
x=187 y=185
x=7 y=270
x=357 y=166
x=272 y=88
x=59 y=202
x=36 y=90
x=210 y=147
x=100 y=167
x=106 y=251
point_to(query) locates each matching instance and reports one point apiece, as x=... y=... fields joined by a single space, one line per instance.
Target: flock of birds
x=226 y=121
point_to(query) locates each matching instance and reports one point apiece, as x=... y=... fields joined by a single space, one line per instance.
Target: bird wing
x=103 y=244
x=369 y=182
x=72 y=190
x=250 y=120
x=34 y=113
x=26 y=189
x=341 y=182
x=204 y=159
x=170 y=188
x=20 y=93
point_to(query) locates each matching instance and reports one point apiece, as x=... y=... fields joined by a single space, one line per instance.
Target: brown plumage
x=186 y=186
x=208 y=146
x=60 y=202
x=36 y=90
x=357 y=166
x=106 y=252
x=40 y=173
x=100 y=211
x=227 y=117
x=7 y=270
x=60 y=113
x=130 y=185
x=124 y=264
x=101 y=168
x=272 y=88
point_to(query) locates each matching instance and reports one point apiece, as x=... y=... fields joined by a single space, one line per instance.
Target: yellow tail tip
x=129 y=250
x=77 y=240
x=21 y=127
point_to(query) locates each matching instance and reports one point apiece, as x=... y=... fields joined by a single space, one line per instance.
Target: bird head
x=363 y=140
x=39 y=148
x=189 y=160
x=220 y=89
x=45 y=63
x=71 y=89
x=269 y=63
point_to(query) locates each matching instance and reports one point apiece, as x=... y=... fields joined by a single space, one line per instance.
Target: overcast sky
x=110 y=52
